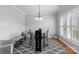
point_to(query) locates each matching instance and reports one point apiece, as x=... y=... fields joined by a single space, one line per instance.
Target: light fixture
x=39 y=17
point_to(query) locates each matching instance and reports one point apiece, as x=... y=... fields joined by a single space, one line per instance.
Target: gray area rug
x=52 y=48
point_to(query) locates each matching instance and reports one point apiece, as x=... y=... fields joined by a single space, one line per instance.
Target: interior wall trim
x=18 y=9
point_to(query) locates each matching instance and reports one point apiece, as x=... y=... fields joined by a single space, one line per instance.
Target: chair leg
x=47 y=41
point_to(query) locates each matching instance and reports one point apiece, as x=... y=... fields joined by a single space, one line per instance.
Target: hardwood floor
x=67 y=48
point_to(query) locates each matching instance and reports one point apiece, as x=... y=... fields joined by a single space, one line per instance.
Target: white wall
x=11 y=22
x=47 y=23
x=65 y=8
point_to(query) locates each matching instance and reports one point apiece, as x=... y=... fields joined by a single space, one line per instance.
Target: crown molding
x=18 y=9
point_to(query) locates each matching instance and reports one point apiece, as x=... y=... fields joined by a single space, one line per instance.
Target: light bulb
x=37 y=18
x=41 y=18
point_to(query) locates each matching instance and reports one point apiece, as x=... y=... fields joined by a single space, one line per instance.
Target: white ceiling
x=34 y=9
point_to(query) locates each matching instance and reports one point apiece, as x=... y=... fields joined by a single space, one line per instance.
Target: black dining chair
x=46 y=37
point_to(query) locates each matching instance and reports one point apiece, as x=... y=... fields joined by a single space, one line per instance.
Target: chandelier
x=39 y=17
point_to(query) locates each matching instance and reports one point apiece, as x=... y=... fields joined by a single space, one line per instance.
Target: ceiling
x=34 y=9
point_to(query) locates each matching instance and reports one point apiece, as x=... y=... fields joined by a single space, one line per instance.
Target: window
x=69 y=25
x=68 y=19
x=63 y=23
x=63 y=31
x=74 y=33
x=68 y=33
x=78 y=18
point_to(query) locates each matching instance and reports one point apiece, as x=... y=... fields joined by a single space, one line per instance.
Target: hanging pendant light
x=39 y=17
